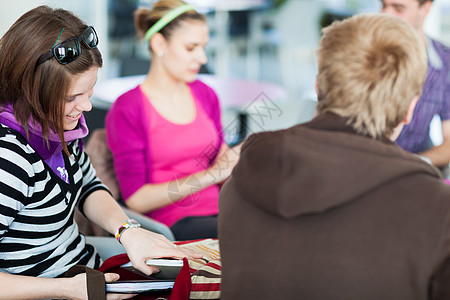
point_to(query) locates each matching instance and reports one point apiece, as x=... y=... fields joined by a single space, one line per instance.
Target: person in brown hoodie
x=333 y=208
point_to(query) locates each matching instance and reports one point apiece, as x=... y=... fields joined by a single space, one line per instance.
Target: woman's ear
x=158 y=43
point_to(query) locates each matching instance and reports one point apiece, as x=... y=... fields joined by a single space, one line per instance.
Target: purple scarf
x=51 y=154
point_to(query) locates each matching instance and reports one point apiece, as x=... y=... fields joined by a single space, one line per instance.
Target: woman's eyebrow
x=70 y=96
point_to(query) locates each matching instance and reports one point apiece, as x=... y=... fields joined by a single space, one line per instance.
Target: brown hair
x=370 y=68
x=39 y=92
x=145 y=18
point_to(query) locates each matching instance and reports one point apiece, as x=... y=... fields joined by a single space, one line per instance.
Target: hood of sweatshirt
x=317 y=166
x=35 y=137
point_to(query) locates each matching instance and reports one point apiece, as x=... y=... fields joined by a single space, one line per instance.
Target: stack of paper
x=139 y=286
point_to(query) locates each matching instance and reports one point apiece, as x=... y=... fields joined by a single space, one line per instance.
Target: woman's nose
x=84 y=104
x=203 y=59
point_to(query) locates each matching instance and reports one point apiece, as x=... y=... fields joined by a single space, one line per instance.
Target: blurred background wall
x=262 y=40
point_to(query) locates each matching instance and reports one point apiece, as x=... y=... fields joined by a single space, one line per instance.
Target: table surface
x=233 y=93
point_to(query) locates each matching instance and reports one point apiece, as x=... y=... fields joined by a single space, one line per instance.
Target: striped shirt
x=38 y=236
x=435 y=100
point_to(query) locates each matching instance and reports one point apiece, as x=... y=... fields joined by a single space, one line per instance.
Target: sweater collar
x=35 y=137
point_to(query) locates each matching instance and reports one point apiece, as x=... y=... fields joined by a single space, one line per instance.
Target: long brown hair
x=39 y=92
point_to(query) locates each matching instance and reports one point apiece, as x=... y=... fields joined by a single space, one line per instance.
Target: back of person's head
x=370 y=68
x=36 y=90
x=145 y=18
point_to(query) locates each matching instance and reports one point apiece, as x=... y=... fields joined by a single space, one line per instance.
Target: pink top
x=143 y=143
x=177 y=151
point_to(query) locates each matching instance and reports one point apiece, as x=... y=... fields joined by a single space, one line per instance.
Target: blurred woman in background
x=166 y=134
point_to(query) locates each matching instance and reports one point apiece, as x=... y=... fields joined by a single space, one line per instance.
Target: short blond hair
x=370 y=68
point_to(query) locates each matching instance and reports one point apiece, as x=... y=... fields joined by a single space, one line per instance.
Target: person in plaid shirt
x=435 y=99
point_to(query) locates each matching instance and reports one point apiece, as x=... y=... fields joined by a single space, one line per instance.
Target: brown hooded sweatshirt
x=320 y=212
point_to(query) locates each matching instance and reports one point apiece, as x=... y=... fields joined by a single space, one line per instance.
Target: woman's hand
x=224 y=164
x=78 y=288
x=142 y=245
x=111 y=277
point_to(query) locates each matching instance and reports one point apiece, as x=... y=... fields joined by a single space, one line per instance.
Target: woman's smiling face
x=77 y=100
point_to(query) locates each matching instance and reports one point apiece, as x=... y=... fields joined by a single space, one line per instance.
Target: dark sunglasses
x=70 y=49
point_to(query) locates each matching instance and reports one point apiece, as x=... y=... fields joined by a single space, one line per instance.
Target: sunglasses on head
x=70 y=49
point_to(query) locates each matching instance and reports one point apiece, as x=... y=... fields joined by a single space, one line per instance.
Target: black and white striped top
x=38 y=236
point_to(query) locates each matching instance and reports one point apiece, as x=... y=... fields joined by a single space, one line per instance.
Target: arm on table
x=139 y=243
x=27 y=287
x=153 y=196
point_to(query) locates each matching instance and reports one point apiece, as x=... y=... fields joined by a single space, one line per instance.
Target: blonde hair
x=370 y=68
x=145 y=18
